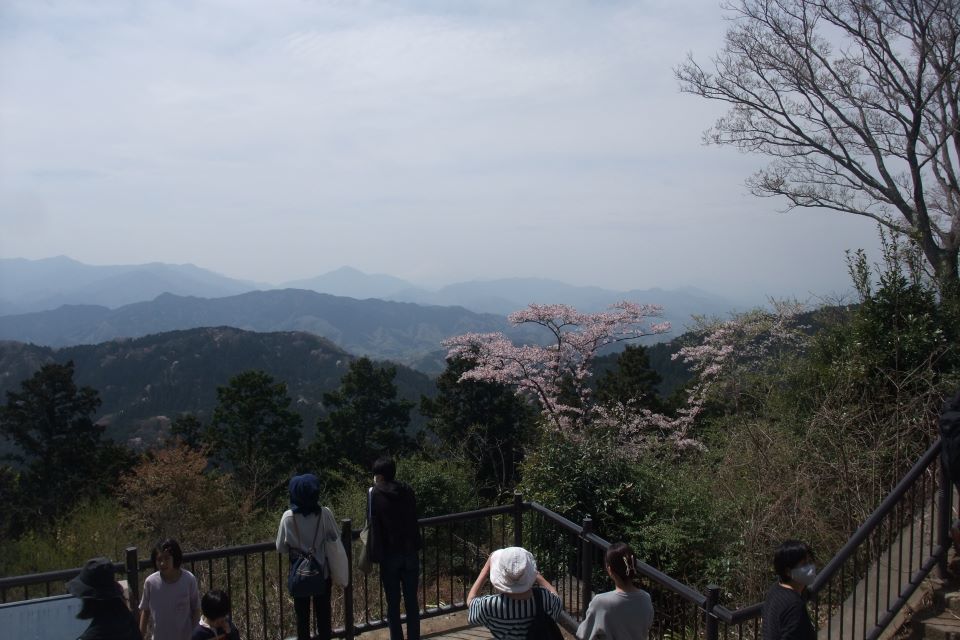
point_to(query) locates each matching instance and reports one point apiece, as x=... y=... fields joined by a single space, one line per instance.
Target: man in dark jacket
x=394 y=543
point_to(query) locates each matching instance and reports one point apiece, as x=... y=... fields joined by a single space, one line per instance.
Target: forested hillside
x=146 y=382
x=402 y=332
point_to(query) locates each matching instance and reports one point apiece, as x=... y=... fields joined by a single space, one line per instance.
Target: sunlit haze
x=433 y=141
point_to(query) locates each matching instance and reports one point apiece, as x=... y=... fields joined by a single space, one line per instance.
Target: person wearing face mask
x=785 y=615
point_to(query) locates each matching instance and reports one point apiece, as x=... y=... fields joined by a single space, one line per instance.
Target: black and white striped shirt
x=508 y=619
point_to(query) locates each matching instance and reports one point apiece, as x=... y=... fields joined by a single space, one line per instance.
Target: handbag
x=363 y=562
x=542 y=627
x=309 y=575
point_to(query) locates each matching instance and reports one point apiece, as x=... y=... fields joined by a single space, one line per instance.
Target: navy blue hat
x=305 y=494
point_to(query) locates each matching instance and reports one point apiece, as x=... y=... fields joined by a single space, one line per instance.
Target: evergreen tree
x=366 y=419
x=59 y=448
x=485 y=421
x=255 y=432
x=187 y=428
x=632 y=382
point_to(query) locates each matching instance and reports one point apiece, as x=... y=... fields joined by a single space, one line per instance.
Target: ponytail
x=622 y=563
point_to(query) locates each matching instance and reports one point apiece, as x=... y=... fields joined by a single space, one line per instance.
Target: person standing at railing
x=103 y=603
x=170 y=598
x=307 y=528
x=626 y=613
x=785 y=615
x=521 y=591
x=395 y=544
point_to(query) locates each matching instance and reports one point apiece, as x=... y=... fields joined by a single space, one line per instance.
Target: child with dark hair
x=170 y=598
x=785 y=615
x=215 y=622
x=626 y=613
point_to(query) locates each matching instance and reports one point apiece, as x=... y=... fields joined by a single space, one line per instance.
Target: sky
x=437 y=141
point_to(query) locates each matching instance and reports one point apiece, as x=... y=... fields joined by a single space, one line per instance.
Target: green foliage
x=188 y=429
x=898 y=327
x=59 y=449
x=633 y=382
x=255 y=433
x=483 y=422
x=93 y=528
x=442 y=486
x=366 y=419
x=663 y=509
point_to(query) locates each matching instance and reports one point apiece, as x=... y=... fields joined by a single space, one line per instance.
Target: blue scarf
x=305 y=494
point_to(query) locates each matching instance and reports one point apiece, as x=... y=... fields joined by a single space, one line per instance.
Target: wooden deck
x=463 y=633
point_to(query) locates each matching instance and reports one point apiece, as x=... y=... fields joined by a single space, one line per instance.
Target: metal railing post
x=346 y=538
x=517 y=519
x=944 y=506
x=711 y=627
x=133 y=577
x=586 y=565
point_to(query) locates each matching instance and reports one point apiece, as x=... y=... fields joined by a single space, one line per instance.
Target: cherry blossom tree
x=555 y=375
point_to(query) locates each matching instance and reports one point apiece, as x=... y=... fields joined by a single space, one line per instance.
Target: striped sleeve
x=552 y=604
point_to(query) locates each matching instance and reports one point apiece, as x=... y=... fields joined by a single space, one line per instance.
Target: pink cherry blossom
x=542 y=372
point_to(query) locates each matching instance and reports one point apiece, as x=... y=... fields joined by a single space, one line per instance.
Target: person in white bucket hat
x=508 y=613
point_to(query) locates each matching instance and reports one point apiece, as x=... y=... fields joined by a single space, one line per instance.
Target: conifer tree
x=254 y=431
x=366 y=419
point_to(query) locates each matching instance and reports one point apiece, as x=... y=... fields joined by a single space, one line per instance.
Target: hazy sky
x=436 y=141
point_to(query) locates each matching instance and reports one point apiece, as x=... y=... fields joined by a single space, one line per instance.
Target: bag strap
x=316 y=532
x=539 y=608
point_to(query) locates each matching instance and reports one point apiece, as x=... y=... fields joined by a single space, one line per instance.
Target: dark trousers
x=401 y=572
x=321 y=612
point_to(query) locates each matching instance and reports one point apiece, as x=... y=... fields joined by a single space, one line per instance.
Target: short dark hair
x=215 y=604
x=788 y=556
x=619 y=558
x=170 y=546
x=386 y=467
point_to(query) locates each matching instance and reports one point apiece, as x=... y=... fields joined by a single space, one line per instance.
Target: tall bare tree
x=856 y=101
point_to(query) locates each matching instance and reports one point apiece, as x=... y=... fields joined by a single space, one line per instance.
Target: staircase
x=940 y=620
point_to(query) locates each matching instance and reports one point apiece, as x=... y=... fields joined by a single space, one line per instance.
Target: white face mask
x=804 y=574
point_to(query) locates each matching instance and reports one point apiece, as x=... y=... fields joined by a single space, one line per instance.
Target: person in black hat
x=103 y=604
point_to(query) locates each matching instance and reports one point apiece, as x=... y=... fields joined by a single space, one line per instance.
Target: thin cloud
x=273 y=141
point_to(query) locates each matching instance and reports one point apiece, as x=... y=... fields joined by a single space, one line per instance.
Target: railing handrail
x=702 y=601
x=874 y=519
x=61 y=575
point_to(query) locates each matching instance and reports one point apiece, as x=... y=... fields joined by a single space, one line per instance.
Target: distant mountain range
x=146 y=382
x=38 y=285
x=397 y=331
x=42 y=285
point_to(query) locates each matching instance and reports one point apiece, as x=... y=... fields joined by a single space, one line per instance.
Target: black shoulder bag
x=543 y=627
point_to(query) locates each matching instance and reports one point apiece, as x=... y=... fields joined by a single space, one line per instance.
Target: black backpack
x=543 y=627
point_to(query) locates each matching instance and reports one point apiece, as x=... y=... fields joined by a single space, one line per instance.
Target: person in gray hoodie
x=395 y=544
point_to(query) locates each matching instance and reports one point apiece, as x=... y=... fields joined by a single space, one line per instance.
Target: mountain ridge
x=146 y=382
x=400 y=331
x=27 y=286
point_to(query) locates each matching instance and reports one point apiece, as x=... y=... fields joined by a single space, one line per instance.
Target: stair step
x=951 y=602
x=945 y=626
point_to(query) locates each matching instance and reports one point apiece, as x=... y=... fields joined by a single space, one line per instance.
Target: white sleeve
x=333 y=548
x=282 y=546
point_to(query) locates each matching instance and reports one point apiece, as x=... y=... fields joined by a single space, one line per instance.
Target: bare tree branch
x=855 y=101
